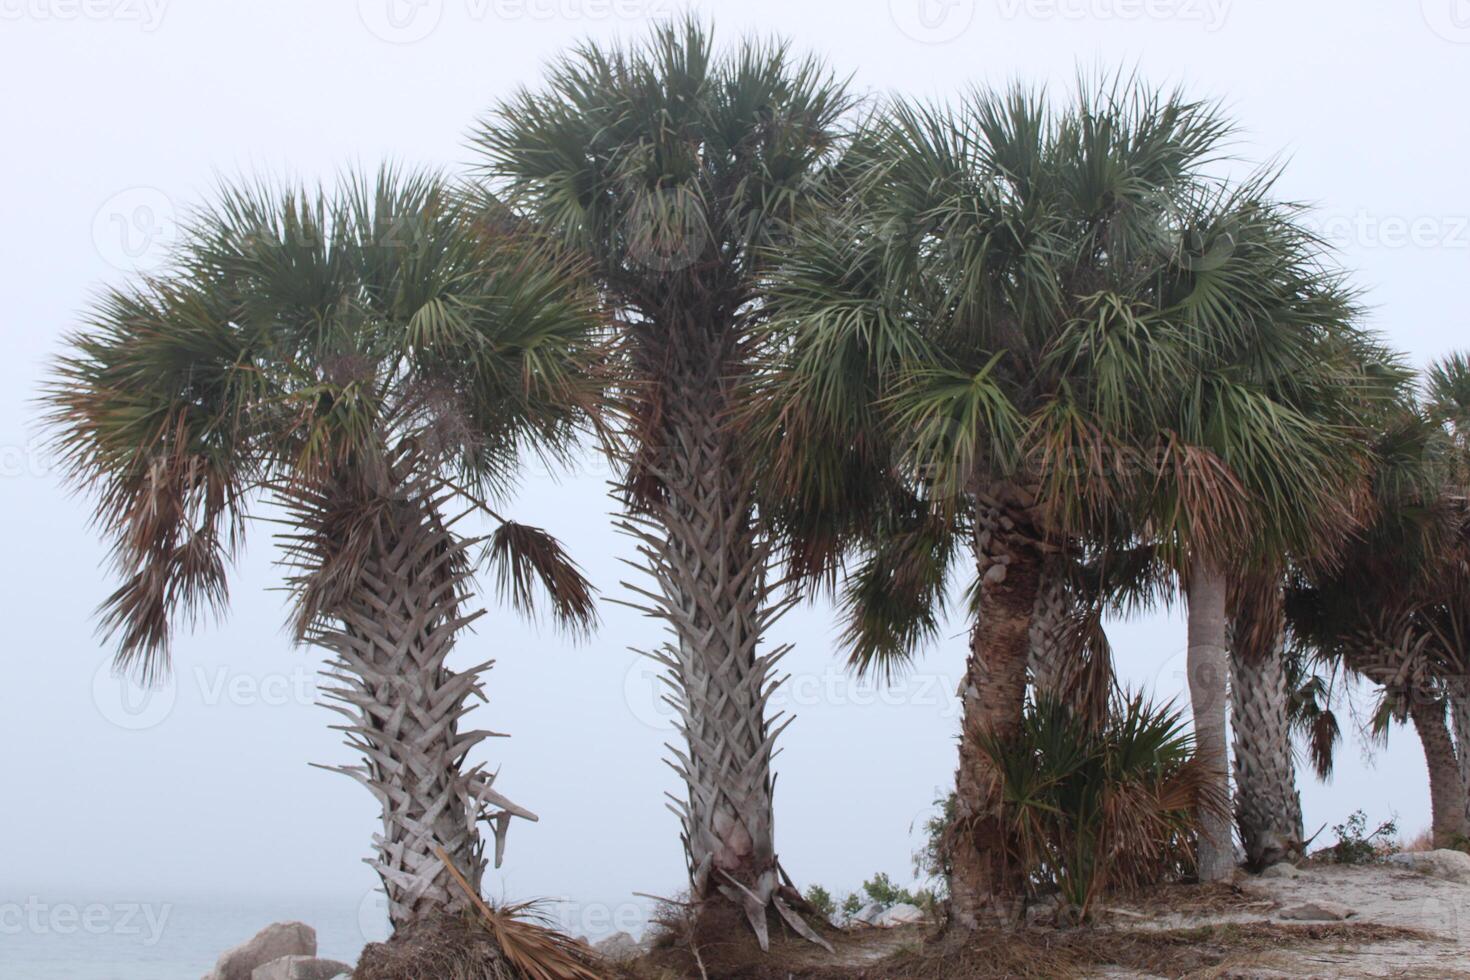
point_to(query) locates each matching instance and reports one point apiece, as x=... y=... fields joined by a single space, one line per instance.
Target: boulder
x=901 y=914
x=1443 y=863
x=301 y=968
x=271 y=943
x=620 y=947
x=1317 y=912
x=868 y=914
x=1282 y=870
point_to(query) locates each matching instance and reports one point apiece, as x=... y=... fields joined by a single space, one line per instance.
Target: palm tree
x=1395 y=609
x=673 y=168
x=373 y=361
x=971 y=337
x=1268 y=808
x=1262 y=452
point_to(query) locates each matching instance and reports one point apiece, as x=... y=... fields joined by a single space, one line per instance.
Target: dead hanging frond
x=530 y=947
x=526 y=557
x=1091 y=684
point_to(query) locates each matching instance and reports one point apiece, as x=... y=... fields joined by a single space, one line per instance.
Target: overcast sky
x=118 y=114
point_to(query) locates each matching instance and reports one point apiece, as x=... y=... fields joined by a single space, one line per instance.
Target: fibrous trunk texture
x=1446 y=785
x=1459 y=689
x=1208 y=694
x=1268 y=809
x=700 y=544
x=394 y=628
x=1052 y=656
x=985 y=885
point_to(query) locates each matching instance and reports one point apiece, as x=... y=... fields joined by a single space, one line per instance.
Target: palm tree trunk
x=1459 y=688
x=1268 y=809
x=1049 y=660
x=700 y=544
x=1208 y=669
x=983 y=879
x=1446 y=787
x=398 y=623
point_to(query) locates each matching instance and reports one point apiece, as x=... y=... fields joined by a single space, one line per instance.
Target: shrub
x=1355 y=845
x=1098 y=809
x=821 y=901
x=931 y=861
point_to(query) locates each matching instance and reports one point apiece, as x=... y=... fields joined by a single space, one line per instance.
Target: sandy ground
x=1380 y=894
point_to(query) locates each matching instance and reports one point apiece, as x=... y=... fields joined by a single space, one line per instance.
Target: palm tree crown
x=375 y=361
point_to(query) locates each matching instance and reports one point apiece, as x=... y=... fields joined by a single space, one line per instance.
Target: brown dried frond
x=525 y=557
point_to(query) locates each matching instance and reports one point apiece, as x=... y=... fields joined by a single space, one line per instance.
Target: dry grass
x=1216 y=898
x=1033 y=954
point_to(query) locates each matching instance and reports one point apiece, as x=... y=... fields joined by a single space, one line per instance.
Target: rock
x=901 y=914
x=619 y=948
x=1283 y=870
x=301 y=968
x=868 y=914
x=1446 y=864
x=271 y=943
x=1317 y=912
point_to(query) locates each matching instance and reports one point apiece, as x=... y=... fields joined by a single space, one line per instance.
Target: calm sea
x=52 y=939
x=43 y=939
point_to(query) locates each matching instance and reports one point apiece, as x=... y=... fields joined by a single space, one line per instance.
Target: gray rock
x=301 y=968
x=1446 y=864
x=1317 y=912
x=868 y=914
x=901 y=914
x=1282 y=870
x=271 y=943
x=619 y=948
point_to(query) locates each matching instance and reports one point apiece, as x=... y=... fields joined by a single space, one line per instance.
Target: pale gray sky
x=119 y=113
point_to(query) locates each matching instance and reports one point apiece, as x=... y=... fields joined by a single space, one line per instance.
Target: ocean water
x=43 y=939
x=51 y=939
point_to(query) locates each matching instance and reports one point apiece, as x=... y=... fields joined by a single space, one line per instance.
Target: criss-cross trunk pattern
x=700 y=543
x=1268 y=809
x=984 y=883
x=1052 y=659
x=391 y=632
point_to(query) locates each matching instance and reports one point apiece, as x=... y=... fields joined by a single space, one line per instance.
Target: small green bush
x=821 y=900
x=1355 y=845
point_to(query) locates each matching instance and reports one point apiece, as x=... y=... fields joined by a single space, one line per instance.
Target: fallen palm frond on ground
x=489 y=944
